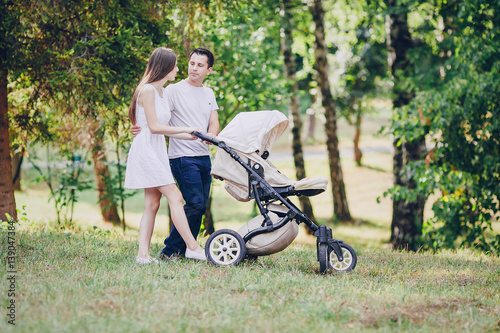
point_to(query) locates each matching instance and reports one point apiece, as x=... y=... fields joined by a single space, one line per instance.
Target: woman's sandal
x=144 y=261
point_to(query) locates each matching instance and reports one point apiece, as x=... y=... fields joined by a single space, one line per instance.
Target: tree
x=83 y=58
x=9 y=27
x=7 y=200
x=109 y=60
x=287 y=7
x=17 y=161
x=407 y=215
x=109 y=208
x=457 y=107
x=341 y=207
x=366 y=69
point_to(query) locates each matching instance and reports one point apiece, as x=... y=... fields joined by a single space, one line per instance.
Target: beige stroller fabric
x=269 y=243
x=252 y=131
x=250 y=134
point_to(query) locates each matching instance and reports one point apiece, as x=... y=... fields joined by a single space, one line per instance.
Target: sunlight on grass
x=87 y=281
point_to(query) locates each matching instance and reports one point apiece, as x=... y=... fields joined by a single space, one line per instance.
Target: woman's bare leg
x=179 y=219
x=151 y=204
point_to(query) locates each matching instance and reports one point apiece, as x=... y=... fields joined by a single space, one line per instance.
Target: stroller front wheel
x=323 y=258
x=349 y=262
x=328 y=259
x=225 y=248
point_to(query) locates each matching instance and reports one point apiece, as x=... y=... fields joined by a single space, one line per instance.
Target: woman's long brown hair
x=161 y=62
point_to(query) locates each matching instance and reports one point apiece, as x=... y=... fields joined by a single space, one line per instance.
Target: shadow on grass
x=375 y=168
x=357 y=222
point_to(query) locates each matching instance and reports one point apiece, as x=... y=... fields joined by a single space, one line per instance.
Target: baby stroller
x=241 y=161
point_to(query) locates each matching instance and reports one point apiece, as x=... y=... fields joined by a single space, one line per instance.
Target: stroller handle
x=206 y=138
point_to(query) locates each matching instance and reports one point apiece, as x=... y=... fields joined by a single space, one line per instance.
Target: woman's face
x=173 y=73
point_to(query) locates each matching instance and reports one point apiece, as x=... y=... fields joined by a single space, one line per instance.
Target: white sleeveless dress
x=147 y=164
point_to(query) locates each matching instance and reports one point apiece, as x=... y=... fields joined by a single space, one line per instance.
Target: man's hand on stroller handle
x=208 y=138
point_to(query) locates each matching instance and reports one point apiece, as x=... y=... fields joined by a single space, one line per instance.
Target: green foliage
x=366 y=67
x=82 y=59
x=64 y=181
x=248 y=70
x=459 y=112
x=73 y=67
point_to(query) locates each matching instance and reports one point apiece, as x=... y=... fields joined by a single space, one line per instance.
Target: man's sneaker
x=196 y=255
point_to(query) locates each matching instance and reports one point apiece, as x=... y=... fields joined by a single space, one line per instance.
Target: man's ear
x=209 y=70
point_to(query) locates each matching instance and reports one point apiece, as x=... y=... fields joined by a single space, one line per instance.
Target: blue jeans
x=193 y=178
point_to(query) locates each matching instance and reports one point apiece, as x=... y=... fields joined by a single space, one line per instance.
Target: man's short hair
x=205 y=52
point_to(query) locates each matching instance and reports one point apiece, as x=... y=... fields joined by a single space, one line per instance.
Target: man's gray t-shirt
x=191 y=107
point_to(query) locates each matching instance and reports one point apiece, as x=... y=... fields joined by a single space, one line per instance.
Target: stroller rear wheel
x=251 y=257
x=328 y=259
x=225 y=248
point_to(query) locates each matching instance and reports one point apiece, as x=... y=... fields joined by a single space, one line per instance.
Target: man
x=192 y=105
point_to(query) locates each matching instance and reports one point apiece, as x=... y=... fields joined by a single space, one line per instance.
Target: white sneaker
x=195 y=255
x=144 y=261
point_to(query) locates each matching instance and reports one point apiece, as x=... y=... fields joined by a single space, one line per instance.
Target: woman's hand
x=134 y=129
x=194 y=129
x=211 y=135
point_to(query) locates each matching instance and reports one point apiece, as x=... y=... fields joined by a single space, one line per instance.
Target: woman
x=148 y=165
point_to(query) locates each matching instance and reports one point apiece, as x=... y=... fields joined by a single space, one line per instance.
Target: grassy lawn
x=88 y=282
x=84 y=278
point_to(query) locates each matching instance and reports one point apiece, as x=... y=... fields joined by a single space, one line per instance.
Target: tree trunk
x=120 y=177
x=109 y=209
x=311 y=117
x=399 y=228
x=17 y=161
x=290 y=76
x=358 y=155
x=407 y=217
x=311 y=126
x=340 y=205
x=208 y=221
x=7 y=199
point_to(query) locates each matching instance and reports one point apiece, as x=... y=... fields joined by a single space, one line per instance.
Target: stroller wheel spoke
x=226 y=257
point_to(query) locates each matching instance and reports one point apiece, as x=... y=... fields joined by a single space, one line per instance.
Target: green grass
x=86 y=281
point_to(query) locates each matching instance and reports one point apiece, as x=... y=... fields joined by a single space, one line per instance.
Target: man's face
x=198 y=68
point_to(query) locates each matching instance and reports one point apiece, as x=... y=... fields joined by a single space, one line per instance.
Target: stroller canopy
x=249 y=132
